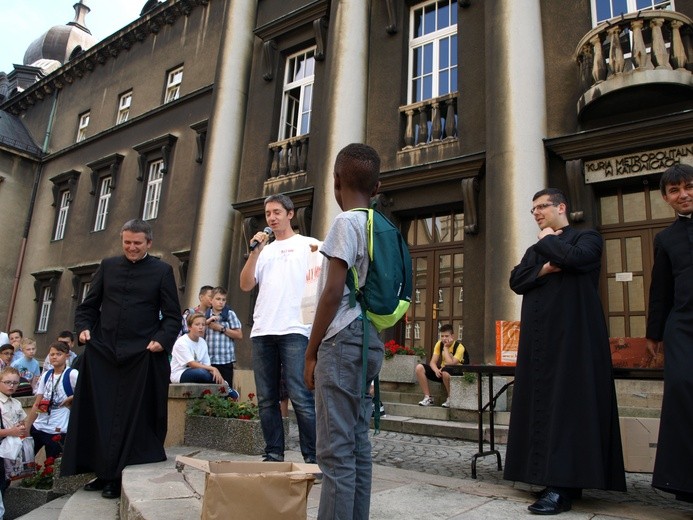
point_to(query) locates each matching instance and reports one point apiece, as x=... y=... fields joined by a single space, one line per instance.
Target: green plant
x=469 y=377
x=392 y=348
x=221 y=405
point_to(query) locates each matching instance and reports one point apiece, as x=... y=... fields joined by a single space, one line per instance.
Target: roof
x=14 y=134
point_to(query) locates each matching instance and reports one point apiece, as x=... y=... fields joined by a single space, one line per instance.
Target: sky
x=25 y=20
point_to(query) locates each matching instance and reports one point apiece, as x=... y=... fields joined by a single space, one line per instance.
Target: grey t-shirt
x=346 y=240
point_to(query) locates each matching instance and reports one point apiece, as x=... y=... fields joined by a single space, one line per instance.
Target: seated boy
x=28 y=367
x=190 y=359
x=11 y=418
x=49 y=416
x=6 y=354
x=16 y=336
x=450 y=352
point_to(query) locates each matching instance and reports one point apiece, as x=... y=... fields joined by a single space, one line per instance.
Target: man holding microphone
x=279 y=336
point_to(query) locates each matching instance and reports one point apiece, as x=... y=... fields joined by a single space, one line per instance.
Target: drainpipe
x=30 y=213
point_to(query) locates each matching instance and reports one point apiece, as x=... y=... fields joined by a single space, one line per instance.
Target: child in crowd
x=16 y=336
x=205 y=297
x=49 y=416
x=190 y=358
x=6 y=354
x=28 y=367
x=223 y=327
x=11 y=418
x=334 y=355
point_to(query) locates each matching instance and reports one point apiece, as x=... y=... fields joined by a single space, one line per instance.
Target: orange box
x=632 y=353
x=507 y=341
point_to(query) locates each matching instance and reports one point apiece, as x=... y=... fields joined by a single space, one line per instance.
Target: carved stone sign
x=637 y=164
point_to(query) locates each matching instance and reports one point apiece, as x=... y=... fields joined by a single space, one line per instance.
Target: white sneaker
x=446 y=404
x=427 y=401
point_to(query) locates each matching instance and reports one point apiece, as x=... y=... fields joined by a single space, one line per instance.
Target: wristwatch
x=223 y=329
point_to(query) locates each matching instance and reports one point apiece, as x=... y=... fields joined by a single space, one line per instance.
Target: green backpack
x=386 y=295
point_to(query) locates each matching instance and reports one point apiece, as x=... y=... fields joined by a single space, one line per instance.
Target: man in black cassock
x=564 y=432
x=129 y=322
x=670 y=318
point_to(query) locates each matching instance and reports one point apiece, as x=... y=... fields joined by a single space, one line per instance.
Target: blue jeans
x=270 y=354
x=344 y=408
x=196 y=375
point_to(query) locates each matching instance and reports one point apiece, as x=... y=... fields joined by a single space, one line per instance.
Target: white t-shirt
x=184 y=351
x=51 y=385
x=281 y=275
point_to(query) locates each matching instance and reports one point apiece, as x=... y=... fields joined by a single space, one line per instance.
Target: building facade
x=195 y=112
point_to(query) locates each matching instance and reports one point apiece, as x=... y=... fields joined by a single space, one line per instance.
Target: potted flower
x=400 y=362
x=220 y=422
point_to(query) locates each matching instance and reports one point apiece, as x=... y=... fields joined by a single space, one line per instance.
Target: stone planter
x=400 y=369
x=464 y=395
x=233 y=435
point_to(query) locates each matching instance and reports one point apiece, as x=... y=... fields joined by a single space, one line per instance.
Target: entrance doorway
x=436 y=244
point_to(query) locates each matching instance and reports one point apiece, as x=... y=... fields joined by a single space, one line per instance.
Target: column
x=515 y=159
x=217 y=223
x=346 y=64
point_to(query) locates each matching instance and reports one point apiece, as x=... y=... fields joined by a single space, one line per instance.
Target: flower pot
x=400 y=369
x=233 y=435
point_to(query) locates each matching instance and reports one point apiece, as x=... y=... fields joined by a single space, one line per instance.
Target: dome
x=60 y=41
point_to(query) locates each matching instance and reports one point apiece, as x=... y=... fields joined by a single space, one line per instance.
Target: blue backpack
x=67 y=385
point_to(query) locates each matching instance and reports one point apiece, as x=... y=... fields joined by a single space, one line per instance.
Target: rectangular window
x=46 y=301
x=82 y=128
x=102 y=205
x=297 y=99
x=63 y=210
x=153 y=191
x=124 y=107
x=175 y=77
x=605 y=9
x=432 y=50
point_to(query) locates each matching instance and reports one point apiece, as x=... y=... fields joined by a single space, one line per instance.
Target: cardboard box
x=507 y=341
x=639 y=438
x=632 y=353
x=242 y=490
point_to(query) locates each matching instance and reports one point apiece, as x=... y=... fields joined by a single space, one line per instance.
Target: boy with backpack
x=335 y=355
x=11 y=419
x=49 y=416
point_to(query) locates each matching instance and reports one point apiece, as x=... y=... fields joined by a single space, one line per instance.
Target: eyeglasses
x=541 y=207
x=10 y=383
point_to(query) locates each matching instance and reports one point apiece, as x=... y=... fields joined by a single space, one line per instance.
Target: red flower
x=222 y=390
x=207 y=391
x=244 y=417
x=251 y=396
x=56 y=438
x=48 y=470
x=50 y=461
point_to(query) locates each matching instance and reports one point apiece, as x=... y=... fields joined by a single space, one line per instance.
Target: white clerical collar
x=685 y=216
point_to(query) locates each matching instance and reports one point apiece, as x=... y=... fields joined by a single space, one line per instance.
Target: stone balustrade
x=430 y=121
x=289 y=156
x=654 y=46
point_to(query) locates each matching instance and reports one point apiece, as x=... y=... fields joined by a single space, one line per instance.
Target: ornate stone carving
x=391 y=6
x=269 y=54
x=110 y=164
x=573 y=172
x=320 y=28
x=470 y=198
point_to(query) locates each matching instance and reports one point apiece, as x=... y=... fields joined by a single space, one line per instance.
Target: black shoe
x=573 y=493
x=270 y=458
x=95 y=485
x=111 y=489
x=551 y=503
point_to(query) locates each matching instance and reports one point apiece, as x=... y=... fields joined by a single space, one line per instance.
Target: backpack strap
x=67 y=384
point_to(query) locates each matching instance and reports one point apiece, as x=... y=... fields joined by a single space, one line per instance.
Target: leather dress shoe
x=551 y=503
x=95 y=485
x=573 y=493
x=111 y=489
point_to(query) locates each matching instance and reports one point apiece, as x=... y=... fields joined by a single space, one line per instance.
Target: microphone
x=255 y=243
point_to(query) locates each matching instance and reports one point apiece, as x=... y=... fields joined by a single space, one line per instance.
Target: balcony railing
x=431 y=121
x=614 y=54
x=289 y=156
